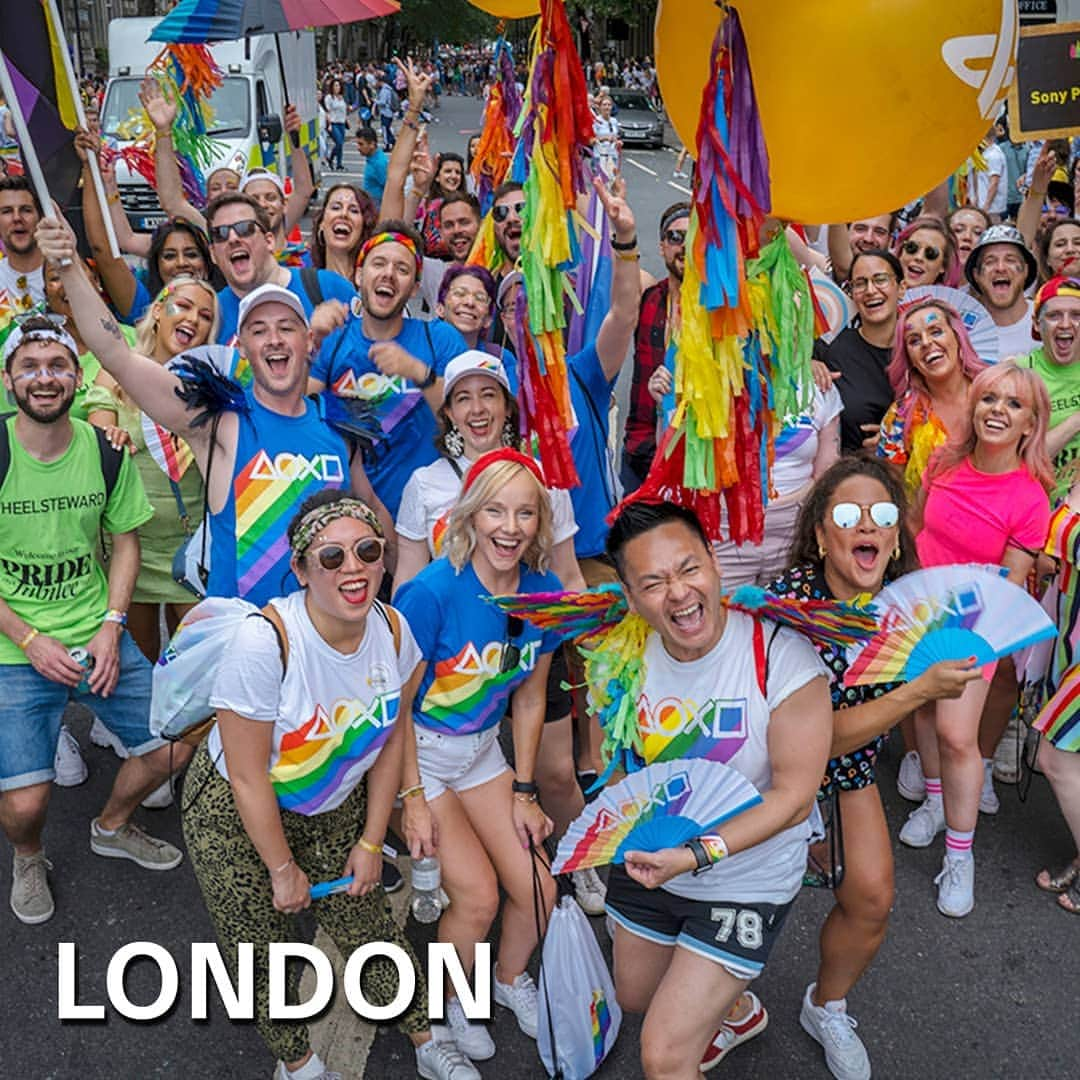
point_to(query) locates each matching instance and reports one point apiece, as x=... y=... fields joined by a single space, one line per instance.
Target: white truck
x=248 y=106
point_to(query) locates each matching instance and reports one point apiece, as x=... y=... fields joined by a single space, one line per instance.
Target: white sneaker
x=442 y=1060
x=956 y=886
x=923 y=824
x=521 y=999
x=989 y=803
x=589 y=891
x=307 y=1071
x=68 y=760
x=160 y=797
x=910 y=782
x=1007 y=754
x=831 y=1026
x=100 y=735
x=471 y=1037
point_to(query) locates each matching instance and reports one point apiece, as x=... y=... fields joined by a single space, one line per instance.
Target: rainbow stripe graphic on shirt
x=677 y=728
x=392 y=396
x=438 y=533
x=796 y=431
x=267 y=492
x=469 y=693
x=600 y=1018
x=335 y=746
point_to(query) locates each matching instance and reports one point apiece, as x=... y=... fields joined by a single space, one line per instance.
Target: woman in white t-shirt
x=296 y=780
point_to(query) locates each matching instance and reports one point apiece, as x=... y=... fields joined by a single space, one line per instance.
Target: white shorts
x=457 y=762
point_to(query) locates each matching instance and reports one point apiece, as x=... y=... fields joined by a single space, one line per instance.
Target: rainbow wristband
x=714 y=847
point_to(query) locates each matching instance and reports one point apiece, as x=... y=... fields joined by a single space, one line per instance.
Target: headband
x=314 y=521
x=493 y=457
x=673 y=214
x=391 y=238
x=1055 y=287
x=251 y=177
x=18 y=337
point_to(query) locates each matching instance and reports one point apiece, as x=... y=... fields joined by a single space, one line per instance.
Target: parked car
x=639 y=122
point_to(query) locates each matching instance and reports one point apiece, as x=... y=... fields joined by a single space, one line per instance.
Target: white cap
x=474 y=362
x=262 y=174
x=270 y=294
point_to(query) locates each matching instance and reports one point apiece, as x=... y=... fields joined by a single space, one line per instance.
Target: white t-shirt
x=331 y=713
x=712 y=708
x=19 y=292
x=430 y=495
x=797 y=442
x=1016 y=339
x=995 y=166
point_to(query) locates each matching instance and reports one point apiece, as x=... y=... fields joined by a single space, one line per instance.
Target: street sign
x=1044 y=101
x=1033 y=12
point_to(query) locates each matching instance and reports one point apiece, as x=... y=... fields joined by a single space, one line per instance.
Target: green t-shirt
x=50 y=516
x=1063 y=385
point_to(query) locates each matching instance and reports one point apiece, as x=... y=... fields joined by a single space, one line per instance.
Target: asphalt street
x=987 y=996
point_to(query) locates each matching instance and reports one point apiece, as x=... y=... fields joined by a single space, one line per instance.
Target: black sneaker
x=392 y=880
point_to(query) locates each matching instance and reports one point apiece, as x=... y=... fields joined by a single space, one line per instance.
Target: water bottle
x=426 y=907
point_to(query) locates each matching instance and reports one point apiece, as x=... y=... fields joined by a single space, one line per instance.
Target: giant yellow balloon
x=864 y=106
x=508 y=9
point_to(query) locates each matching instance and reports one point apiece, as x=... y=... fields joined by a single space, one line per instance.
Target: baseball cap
x=1001 y=234
x=515 y=277
x=474 y=362
x=270 y=294
x=262 y=174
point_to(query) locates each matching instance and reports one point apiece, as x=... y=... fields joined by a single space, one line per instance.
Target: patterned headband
x=314 y=521
x=391 y=238
x=18 y=337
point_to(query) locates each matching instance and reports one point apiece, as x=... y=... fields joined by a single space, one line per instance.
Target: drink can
x=86 y=661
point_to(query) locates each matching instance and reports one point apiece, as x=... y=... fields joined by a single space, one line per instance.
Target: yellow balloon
x=861 y=114
x=508 y=9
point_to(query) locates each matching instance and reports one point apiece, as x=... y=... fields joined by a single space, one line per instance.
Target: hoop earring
x=896 y=551
x=509 y=433
x=454 y=441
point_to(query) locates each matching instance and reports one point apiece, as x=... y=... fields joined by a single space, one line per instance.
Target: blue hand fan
x=661 y=806
x=981 y=329
x=946 y=613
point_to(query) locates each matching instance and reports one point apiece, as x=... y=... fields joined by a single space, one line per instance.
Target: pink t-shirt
x=972 y=516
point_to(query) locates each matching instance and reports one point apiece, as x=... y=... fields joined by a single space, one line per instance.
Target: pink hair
x=908 y=385
x=1031 y=449
x=952 y=273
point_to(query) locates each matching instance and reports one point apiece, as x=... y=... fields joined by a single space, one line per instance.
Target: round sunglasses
x=501 y=212
x=846 y=515
x=912 y=248
x=368 y=549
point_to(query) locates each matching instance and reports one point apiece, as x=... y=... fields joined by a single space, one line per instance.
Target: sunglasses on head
x=220 y=233
x=846 y=515
x=501 y=212
x=511 y=651
x=912 y=248
x=675 y=236
x=368 y=549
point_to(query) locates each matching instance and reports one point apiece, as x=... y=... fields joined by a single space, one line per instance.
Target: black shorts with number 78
x=735 y=934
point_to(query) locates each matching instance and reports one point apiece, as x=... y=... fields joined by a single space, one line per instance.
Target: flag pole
x=26 y=147
x=91 y=159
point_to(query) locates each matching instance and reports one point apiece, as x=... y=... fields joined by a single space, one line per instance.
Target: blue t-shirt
x=462 y=637
x=333 y=285
x=140 y=303
x=375 y=174
x=407 y=422
x=597 y=494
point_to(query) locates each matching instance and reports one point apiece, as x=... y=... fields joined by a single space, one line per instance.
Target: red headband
x=492 y=457
x=391 y=238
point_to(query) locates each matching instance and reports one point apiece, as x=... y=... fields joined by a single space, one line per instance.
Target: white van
x=248 y=106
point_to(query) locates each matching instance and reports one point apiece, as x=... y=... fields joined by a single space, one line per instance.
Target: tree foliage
x=452 y=22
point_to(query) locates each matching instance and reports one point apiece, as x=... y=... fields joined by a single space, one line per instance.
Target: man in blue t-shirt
x=375 y=163
x=393 y=362
x=242 y=245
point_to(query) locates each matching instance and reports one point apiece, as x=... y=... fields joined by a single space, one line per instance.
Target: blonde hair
x=459 y=543
x=146 y=329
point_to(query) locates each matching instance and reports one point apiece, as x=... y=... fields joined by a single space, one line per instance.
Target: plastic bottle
x=426 y=906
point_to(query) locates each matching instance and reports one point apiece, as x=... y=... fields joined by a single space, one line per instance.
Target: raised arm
x=162 y=113
x=616 y=333
x=393 y=200
x=303 y=183
x=840 y=252
x=1030 y=212
x=130 y=241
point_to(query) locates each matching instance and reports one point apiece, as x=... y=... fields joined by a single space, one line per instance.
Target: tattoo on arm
x=108 y=324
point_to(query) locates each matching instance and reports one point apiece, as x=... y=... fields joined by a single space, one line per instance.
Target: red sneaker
x=734 y=1034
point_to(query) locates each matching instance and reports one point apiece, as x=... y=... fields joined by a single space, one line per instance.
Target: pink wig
x=952 y=273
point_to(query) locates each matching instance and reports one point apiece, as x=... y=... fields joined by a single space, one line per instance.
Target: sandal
x=1060 y=882
x=1069 y=900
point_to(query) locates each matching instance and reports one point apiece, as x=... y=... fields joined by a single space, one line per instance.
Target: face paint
x=931 y=316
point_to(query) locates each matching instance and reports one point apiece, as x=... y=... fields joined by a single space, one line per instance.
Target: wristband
x=624 y=257
x=369 y=847
x=283 y=866
x=409 y=792
x=25 y=643
x=114 y=197
x=116 y=616
x=410 y=123
x=618 y=245
x=701 y=858
x=524 y=787
x=714 y=847
x=429 y=379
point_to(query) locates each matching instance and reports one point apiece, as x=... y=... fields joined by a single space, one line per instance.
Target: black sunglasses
x=220 y=233
x=368 y=549
x=511 y=651
x=676 y=237
x=912 y=248
x=501 y=212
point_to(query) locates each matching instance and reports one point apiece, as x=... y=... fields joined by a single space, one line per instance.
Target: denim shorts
x=31 y=708
x=457 y=762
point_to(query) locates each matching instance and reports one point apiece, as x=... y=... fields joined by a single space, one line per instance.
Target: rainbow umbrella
x=202 y=21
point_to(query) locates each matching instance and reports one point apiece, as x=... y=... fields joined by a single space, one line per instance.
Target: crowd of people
x=208 y=406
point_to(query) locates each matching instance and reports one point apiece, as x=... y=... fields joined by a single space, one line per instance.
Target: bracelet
x=624 y=257
x=701 y=859
x=113 y=197
x=283 y=866
x=618 y=245
x=715 y=847
x=409 y=792
x=25 y=643
x=369 y=847
x=429 y=379
x=166 y=134
x=523 y=798
x=116 y=615
x=406 y=122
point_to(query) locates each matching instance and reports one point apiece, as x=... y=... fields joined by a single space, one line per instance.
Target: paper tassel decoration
x=491 y=162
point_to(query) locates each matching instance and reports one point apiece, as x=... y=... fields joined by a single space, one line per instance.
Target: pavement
x=988 y=996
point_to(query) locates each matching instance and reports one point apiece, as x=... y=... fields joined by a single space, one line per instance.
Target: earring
x=454 y=441
x=509 y=433
x=896 y=550
x=821 y=550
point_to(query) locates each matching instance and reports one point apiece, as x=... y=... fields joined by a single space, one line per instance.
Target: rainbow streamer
x=491 y=162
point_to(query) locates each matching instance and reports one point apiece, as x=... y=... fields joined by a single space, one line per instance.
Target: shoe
x=470 y=1037
x=956 y=886
x=831 y=1026
x=160 y=797
x=392 y=881
x=130 y=842
x=521 y=999
x=100 y=735
x=281 y=1073
x=68 y=760
x=589 y=891
x=735 y=1033
x=31 y=899
x=923 y=824
x=910 y=782
x=444 y=1061
x=1007 y=755
x=989 y=803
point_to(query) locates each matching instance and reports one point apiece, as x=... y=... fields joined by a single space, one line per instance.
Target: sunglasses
x=846 y=515
x=243 y=229
x=912 y=248
x=368 y=549
x=675 y=236
x=511 y=651
x=502 y=212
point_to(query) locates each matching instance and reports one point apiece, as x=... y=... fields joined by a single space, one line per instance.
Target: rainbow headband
x=1055 y=287
x=314 y=521
x=391 y=238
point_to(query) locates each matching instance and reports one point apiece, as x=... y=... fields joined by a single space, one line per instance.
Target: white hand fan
x=981 y=329
x=661 y=806
x=946 y=613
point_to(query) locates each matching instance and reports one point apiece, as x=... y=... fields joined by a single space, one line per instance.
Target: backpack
x=111 y=459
